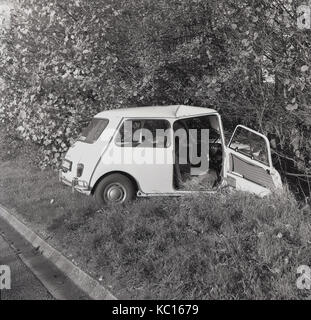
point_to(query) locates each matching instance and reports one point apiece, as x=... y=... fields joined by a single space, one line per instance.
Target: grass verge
x=222 y=246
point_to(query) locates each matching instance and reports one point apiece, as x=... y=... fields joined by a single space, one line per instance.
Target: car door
x=145 y=147
x=248 y=163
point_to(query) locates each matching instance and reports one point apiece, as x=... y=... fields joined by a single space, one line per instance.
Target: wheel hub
x=115 y=193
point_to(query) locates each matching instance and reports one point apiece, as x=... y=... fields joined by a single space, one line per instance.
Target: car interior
x=198 y=153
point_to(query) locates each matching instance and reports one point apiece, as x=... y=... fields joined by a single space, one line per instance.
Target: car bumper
x=75 y=184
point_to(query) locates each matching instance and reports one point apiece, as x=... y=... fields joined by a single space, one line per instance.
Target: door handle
x=237 y=174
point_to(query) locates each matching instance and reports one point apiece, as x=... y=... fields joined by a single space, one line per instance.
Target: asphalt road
x=33 y=277
x=24 y=285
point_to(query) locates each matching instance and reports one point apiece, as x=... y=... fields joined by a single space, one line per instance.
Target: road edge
x=80 y=278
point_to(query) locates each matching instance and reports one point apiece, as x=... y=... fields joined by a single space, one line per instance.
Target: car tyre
x=114 y=189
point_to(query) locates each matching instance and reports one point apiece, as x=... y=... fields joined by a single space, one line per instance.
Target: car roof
x=175 y=112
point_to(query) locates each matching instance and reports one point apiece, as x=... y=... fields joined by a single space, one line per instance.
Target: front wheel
x=114 y=189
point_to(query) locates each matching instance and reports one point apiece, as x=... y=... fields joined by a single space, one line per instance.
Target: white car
x=150 y=151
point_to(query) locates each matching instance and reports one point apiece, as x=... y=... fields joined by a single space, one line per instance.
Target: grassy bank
x=223 y=246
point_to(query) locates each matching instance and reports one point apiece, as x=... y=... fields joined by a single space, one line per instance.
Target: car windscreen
x=92 y=132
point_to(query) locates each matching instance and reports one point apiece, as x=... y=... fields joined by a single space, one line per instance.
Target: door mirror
x=251 y=144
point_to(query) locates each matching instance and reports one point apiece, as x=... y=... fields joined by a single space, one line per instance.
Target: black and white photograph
x=155 y=151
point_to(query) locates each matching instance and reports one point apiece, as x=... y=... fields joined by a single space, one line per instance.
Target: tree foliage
x=62 y=62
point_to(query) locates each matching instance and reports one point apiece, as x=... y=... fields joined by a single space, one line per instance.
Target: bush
x=59 y=70
x=64 y=62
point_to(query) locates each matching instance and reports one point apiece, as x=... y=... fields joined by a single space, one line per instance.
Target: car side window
x=250 y=144
x=144 y=133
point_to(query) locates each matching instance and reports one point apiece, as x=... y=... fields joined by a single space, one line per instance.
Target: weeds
x=210 y=247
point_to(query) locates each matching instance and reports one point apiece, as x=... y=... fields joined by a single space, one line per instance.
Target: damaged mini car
x=166 y=151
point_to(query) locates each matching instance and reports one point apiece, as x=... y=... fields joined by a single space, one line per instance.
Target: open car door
x=248 y=164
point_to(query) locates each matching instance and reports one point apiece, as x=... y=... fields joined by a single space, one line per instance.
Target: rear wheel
x=114 y=189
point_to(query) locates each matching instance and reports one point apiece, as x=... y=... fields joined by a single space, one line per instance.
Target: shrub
x=62 y=62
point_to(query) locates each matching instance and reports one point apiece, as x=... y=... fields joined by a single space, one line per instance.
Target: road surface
x=33 y=277
x=24 y=284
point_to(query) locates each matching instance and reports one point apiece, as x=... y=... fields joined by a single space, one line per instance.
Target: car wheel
x=114 y=189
